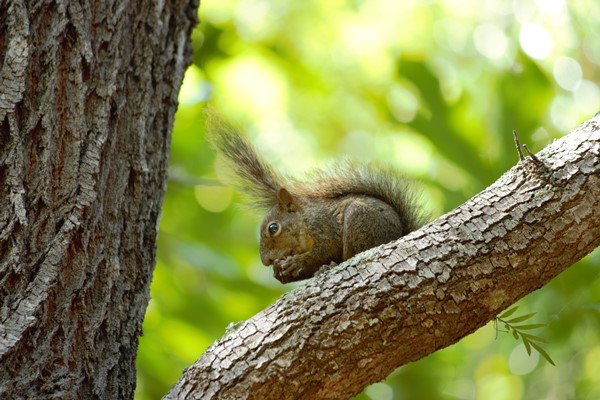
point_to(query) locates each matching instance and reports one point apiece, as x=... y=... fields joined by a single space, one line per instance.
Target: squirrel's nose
x=266 y=259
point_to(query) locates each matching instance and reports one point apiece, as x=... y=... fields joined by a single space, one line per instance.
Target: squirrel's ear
x=286 y=201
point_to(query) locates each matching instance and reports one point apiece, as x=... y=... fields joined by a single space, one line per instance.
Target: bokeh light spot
x=521 y=363
x=535 y=41
x=194 y=87
x=491 y=41
x=213 y=198
x=567 y=73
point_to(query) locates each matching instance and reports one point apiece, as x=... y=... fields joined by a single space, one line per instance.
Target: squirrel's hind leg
x=368 y=222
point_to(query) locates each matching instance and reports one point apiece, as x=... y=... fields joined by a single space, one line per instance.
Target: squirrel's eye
x=274 y=229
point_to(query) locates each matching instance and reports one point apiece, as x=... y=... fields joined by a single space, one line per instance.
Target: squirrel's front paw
x=290 y=269
x=285 y=270
x=294 y=268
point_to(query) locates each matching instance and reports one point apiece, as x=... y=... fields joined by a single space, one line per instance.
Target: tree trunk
x=88 y=91
x=356 y=323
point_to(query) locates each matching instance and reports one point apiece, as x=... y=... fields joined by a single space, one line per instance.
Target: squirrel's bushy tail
x=260 y=183
x=255 y=178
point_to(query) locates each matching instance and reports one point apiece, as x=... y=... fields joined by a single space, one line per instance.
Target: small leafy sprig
x=519 y=331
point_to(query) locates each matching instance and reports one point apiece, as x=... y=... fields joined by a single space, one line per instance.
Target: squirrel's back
x=375 y=180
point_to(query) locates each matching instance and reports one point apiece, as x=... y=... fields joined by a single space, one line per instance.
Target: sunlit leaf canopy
x=432 y=87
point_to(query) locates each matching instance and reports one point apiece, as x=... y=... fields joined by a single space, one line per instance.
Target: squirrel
x=334 y=215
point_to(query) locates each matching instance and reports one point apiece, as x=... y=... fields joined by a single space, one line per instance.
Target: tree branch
x=356 y=323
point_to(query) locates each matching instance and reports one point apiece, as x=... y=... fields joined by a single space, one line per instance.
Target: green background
x=433 y=87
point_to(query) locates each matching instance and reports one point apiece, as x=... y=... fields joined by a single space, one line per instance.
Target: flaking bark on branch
x=356 y=323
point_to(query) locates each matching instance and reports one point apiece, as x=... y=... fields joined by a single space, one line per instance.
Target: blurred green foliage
x=434 y=87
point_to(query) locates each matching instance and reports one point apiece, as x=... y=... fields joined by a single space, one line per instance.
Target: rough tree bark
x=88 y=91
x=356 y=323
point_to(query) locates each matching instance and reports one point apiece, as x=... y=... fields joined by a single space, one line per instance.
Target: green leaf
x=534 y=338
x=526 y=327
x=508 y=312
x=520 y=319
x=527 y=345
x=515 y=334
x=542 y=352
